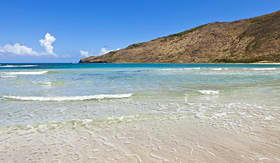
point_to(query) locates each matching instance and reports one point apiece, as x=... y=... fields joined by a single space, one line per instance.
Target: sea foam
x=68 y=98
x=217 y=69
x=180 y=69
x=44 y=83
x=10 y=66
x=264 y=69
x=8 y=76
x=26 y=73
x=209 y=92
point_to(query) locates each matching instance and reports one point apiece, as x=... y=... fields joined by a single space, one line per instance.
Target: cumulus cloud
x=18 y=49
x=104 y=51
x=22 y=50
x=84 y=53
x=47 y=43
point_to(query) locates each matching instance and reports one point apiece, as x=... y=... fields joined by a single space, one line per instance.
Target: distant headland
x=254 y=40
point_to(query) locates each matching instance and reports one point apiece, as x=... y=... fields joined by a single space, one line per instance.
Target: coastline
x=218 y=113
x=276 y=63
x=142 y=82
x=265 y=63
x=141 y=141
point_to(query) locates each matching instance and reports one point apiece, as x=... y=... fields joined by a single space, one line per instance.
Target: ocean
x=238 y=98
x=42 y=93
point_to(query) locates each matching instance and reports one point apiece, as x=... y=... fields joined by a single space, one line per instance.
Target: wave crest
x=217 y=69
x=26 y=73
x=68 y=98
x=180 y=69
x=8 y=76
x=264 y=69
x=209 y=92
x=14 y=66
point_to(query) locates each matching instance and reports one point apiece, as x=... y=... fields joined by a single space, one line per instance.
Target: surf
x=26 y=73
x=69 y=98
x=15 y=66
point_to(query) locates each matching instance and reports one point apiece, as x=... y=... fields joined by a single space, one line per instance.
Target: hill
x=243 y=41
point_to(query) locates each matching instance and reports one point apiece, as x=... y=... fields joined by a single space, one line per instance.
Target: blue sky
x=69 y=28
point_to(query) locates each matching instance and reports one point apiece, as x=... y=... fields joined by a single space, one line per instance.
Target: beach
x=170 y=140
x=140 y=113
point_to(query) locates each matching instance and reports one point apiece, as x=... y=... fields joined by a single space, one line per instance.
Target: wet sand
x=173 y=139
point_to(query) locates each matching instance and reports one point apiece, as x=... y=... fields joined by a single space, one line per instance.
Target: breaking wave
x=8 y=76
x=179 y=69
x=209 y=92
x=264 y=69
x=68 y=98
x=12 y=66
x=44 y=83
x=26 y=73
x=217 y=69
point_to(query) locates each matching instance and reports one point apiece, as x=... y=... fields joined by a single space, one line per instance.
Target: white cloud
x=47 y=43
x=18 y=49
x=22 y=50
x=84 y=53
x=104 y=51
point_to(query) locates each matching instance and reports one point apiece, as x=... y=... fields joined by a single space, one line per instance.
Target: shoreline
x=268 y=63
x=206 y=115
x=152 y=140
x=272 y=63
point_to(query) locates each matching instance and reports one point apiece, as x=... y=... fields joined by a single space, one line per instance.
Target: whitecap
x=68 y=98
x=194 y=68
x=10 y=66
x=44 y=83
x=8 y=76
x=209 y=92
x=26 y=73
x=180 y=69
x=264 y=69
x=217 y=69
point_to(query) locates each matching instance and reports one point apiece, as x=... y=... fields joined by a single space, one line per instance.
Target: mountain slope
x=245 y=41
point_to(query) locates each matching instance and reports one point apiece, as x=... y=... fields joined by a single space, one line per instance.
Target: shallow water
x=237 y=98
x=39 y=93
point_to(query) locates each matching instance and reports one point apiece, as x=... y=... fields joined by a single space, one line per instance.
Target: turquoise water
x=216 y=93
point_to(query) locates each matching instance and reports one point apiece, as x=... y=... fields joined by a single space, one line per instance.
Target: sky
x=68 y=30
